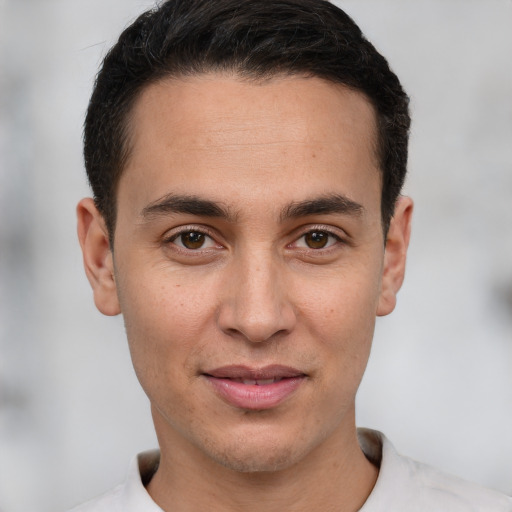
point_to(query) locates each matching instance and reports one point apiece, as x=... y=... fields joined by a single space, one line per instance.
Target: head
x=257 y=40
x=246 y=159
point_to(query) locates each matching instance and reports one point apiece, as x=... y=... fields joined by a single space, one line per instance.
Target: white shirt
x=403 y=485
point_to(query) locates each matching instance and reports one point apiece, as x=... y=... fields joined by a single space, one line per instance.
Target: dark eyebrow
x=192 y=205
x=324 y=205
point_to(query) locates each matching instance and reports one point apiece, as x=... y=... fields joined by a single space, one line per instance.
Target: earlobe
x=395 y=254
x=97 y=257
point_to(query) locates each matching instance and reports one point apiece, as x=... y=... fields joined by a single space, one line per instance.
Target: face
x=249 y=263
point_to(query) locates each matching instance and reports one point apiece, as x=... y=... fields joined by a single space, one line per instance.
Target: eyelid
x=338 y=233
x=174 y=233
x=341 y=241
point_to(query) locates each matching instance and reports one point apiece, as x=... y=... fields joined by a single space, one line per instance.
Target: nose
x=255 y=303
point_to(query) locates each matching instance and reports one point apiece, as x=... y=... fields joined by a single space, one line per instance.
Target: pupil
x=192 y=240
x=317 y=239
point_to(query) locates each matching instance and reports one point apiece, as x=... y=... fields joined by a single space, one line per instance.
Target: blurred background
x=439 y=382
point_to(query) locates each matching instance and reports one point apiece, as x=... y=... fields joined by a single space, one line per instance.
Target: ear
x=395 y=253
x=97 y=255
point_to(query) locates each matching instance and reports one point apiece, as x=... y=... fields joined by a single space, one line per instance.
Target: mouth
x=258 y=382
x=255 y=388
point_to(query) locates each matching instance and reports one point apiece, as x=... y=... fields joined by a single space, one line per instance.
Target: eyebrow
x=324 y=205
x=189 y=204
x=193 y=205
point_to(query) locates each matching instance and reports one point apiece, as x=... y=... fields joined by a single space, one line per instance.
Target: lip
x=264 y=388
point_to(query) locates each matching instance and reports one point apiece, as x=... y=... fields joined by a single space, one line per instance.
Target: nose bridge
x=257 y=305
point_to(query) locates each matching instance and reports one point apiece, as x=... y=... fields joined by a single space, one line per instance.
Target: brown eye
x=316 y=239
x=192 y=239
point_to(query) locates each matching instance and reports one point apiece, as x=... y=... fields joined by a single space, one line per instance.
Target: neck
x=335 y=476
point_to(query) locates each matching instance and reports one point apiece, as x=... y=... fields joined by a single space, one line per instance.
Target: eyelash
x=172 y=237
x=338 y=239
x=182 y=230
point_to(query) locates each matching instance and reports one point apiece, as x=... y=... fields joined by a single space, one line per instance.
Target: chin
x=257 y=461
x=259 y=453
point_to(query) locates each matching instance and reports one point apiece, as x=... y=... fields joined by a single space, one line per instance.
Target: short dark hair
x=256 y=39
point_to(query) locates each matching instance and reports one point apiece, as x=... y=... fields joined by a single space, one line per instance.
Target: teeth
x=258 y=382
x=262 y=382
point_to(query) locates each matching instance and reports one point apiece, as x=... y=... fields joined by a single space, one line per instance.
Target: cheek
x=340 y=312
x=343 y=300
x=166 y=321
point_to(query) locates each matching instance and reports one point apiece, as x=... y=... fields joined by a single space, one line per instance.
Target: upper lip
x=272 y=371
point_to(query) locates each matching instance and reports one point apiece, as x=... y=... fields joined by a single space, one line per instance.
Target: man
x=246 y=159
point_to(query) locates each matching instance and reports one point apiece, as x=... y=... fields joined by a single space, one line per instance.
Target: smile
x=255 y=389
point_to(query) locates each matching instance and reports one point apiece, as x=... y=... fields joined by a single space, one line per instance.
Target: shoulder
x=108 y=502
x=408 y=485
x=130 y=496
x=435 y=487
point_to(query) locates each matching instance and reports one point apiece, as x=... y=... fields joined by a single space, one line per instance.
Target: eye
x=193 y=240
x=317 y=239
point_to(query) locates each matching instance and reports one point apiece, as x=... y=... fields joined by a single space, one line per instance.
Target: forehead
x=218 y=133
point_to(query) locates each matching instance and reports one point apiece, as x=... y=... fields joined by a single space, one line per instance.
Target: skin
x=255 y=293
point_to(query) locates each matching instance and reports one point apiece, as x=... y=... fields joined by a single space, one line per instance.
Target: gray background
x=439 y=382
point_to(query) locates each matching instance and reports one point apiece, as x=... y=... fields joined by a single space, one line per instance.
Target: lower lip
x=254 y=397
